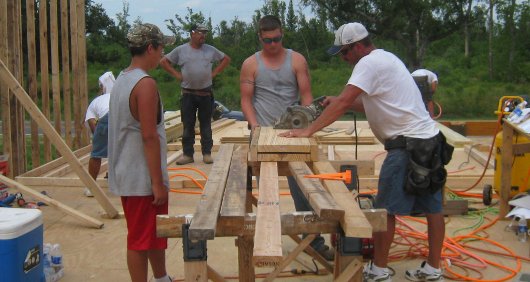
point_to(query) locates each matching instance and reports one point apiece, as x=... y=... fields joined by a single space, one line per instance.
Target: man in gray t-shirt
x=195 y=60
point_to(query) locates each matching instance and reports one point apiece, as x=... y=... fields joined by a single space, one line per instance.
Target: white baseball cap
x=347 y=34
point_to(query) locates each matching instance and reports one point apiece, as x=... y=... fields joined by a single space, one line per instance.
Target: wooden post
x=506 y=169
x=32 y=78
x=65 y=46
x=4 y=90
x=56 y=80
x=81 y=41
x=65 y=151
x=44 y=76
x=75 y=75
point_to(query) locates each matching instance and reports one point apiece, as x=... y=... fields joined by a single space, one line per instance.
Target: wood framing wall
x=43 y=45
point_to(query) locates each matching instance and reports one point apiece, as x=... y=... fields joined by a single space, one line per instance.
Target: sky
x=157 y=11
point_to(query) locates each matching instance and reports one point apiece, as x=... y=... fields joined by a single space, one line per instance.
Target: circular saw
x=297 y=116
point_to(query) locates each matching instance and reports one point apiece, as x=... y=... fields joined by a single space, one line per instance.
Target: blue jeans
x=302 y=204
x=391 y=193
x=190 y=104
x=100 y=138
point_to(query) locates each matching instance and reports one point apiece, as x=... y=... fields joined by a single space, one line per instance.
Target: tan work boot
x=207 y=159
x=182 y=160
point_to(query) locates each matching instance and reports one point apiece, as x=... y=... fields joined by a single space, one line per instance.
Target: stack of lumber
x=173 y=125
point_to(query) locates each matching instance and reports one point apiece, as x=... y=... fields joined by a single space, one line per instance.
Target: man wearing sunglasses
x=195 y=60
x=271 y=80
x=381 y=86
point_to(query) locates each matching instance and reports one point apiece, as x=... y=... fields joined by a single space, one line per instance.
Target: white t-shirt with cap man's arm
x=391 y=99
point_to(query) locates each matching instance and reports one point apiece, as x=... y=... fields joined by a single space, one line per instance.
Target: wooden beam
x=310 y=251
x=235 y=195
x=32 y=78
x=268 y=236
x=479 y=156
x=205 y=218
x=454 y=138
x=65 y=151
x=44 y=75
x=81 y=45
x=51 y=202
x=4 y=90
x=74 y=52
x=196 y=271
x=354 y=223
x=318 y=197
x=65 y=55
x=56 y=80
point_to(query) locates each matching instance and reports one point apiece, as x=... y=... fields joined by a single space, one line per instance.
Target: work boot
x=182 y=160
x=370 y=274
x=424 y=273
x=207 y=159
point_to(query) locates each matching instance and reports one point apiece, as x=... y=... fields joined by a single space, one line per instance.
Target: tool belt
x=199 y=92
x=427 y=158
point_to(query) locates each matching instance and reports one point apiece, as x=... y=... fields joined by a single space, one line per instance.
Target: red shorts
x=140 y=215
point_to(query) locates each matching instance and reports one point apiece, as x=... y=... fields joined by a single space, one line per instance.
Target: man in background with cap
x=382 y=87
x=96 y=119
x=195 y=60
x=138 y=151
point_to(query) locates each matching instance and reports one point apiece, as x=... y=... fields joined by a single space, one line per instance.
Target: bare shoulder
x=299 y=60
x=146 y=85
x=249 y=66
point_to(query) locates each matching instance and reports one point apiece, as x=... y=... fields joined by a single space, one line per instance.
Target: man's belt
x=399 y=142
x=200 y=92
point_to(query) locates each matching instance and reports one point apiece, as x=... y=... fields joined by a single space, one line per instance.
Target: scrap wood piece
x=235 y=195
x=56 y=140
x=51 y=202
x=267 y=146
x=268 y=235
x=354 y=222
x=205 y=218
x=320 y=199
x=454 y=138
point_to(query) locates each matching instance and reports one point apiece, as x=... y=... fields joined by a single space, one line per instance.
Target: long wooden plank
x=354 y=223
x=268 y=236
x=479 y=156
x=56 y=80
x=254 y=141
x=61 y=146
x=83 y=87
x=235 y=195
x=205 y=218
x=75 y=73
x=51 y=202
x=454 y=138
x=321 y=200
x=39 y=171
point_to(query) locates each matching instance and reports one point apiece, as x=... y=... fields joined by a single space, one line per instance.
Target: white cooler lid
x=16 y=222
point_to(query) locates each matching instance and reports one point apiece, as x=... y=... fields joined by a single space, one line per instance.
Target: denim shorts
x=100 y=140
x=391 y=194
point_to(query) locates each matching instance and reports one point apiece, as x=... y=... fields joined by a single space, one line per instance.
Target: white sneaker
x=87 y=192
x=370 y=276
x=420 y=274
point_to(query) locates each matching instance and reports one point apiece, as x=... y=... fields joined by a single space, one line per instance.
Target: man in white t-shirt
x=97 y=120
x=382 y=88
x=432 y=82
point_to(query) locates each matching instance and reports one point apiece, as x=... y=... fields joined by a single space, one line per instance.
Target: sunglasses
x=200 y=31
x=270 y=40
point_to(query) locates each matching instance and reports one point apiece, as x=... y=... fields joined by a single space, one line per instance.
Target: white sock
x=164 y=279
x=379 y=270
x=429 y=269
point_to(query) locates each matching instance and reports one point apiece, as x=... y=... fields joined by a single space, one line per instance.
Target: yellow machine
x=520 y=164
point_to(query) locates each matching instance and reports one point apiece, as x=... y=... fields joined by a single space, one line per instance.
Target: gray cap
x=145 y=33
x=198 y=27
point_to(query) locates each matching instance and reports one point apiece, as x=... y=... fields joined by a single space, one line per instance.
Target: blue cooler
x=21 y=245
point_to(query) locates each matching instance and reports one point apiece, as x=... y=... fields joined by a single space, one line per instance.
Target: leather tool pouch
x=427 y=157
